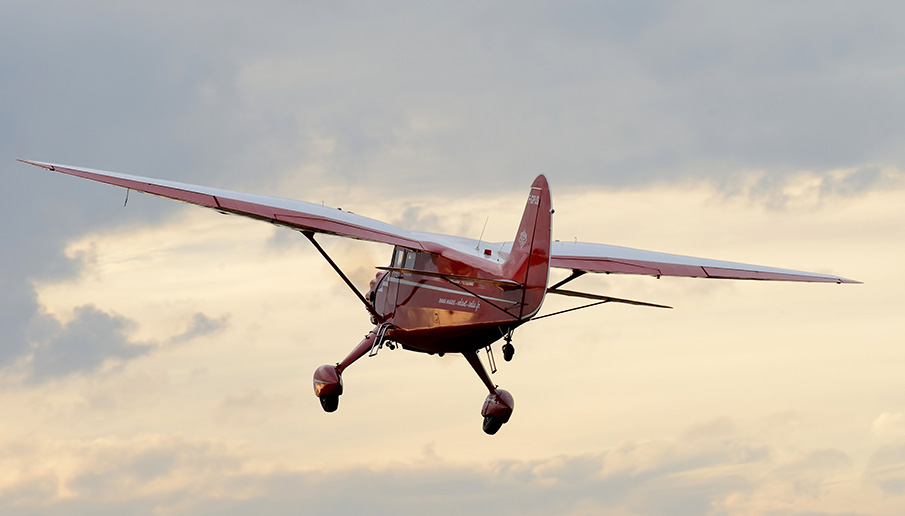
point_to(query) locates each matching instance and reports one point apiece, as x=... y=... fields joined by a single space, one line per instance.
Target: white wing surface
x=285 y=212
x=306 y=216
x=624 y=260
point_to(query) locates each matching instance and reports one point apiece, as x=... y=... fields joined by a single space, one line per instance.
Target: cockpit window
x=409 y=259
x=398 y=258
x=404 y=258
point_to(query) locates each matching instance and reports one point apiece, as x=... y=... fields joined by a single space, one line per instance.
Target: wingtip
x=47 y=166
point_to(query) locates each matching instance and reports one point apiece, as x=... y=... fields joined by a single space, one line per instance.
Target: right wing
x=299 y=215
x=581 y=256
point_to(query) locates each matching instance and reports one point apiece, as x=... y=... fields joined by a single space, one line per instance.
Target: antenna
x=478 y=247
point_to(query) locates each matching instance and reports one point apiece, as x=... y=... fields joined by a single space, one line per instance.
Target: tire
x=508 y=352
x=330 y=403
x=492 y=424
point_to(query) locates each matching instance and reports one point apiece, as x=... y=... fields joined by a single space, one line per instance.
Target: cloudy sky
x=157 y=358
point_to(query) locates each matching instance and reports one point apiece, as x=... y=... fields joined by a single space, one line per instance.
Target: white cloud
x=889 y=427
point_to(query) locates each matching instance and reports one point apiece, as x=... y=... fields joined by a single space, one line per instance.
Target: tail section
x=529 y=259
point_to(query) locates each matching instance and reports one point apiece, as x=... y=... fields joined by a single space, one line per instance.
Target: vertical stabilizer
x=529 y=259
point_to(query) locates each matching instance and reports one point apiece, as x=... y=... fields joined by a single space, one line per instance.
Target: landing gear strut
x=328 y=380
x=498 y=405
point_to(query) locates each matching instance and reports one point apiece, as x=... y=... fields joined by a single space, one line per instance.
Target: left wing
x=605 y=258
x=285 y=212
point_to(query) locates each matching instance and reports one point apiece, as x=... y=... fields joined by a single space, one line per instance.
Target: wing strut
x=569 y=310
x=368 y=306
x=600 y=300
x=575 y=273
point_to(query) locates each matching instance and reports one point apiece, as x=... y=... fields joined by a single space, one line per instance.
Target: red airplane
x=445 y=294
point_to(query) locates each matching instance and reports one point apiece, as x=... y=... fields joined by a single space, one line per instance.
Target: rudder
x=529 y=259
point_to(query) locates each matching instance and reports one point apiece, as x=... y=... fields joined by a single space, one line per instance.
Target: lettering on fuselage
x=472 y=304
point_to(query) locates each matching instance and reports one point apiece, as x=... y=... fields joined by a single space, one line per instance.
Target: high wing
x=587 y=257
x=305 y=216
x=299 y=215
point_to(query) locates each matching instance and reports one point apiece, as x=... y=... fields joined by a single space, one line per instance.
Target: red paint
x=499 y=405
x=434 y=315
x=327 y=381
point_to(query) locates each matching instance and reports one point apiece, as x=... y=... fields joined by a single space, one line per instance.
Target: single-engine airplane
x=446 y=294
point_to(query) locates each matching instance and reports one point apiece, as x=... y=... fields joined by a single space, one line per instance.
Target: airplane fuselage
x=439 y=304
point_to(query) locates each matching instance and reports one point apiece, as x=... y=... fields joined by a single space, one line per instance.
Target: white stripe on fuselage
x=450 y=291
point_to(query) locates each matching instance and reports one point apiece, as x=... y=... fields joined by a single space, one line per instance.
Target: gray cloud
x=17 y=306
x=785 y=192
x=82 y=345
x=692 y=475
x=201 y=325
x=33 y=247
x=860 y=180
x=592 y=91
x=417 y=216
x=886 y=469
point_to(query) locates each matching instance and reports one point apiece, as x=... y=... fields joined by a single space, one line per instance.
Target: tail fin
x=529 y=259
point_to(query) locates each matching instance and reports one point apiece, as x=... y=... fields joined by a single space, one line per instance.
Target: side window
x=398 y=258
x=403 y=258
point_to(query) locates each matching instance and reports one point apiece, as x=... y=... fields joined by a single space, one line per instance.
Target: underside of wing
x=285 y=212
x=605 y=258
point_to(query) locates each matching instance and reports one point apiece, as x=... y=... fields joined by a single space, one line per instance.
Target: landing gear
x=498 y=405
x=497 y=410
x=328 y=380
x=328 y=385
x=508 y=348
